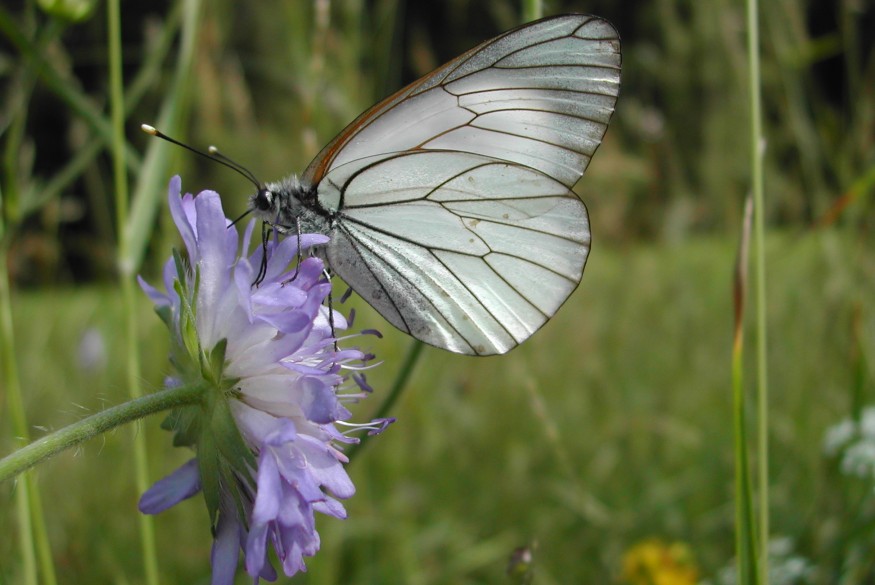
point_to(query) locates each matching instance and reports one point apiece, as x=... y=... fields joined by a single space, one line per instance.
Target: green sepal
x=165 y=314
x=187 y=308
x=185 y=424
x=232 y=486
x=216 y=363
x=179 y=263
x=229 y=441
x=224 y=458
x=209 y=469
x=188 y=336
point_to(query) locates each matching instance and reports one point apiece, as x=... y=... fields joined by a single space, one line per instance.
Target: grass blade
x=756 y=162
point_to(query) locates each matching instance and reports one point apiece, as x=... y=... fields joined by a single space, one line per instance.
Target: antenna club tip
x=149 y=129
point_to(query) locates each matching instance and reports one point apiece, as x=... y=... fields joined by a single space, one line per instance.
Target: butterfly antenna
x=244 y=214
x=212 y=153
x=231 y=163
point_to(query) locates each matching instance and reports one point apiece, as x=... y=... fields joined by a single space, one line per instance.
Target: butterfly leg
x=262 y=269
x=300 y=255
x=330 y=300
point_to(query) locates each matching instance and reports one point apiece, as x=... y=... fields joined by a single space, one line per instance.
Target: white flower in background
x=853 y=442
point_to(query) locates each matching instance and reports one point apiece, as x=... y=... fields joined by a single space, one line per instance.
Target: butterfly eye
x=262 y=200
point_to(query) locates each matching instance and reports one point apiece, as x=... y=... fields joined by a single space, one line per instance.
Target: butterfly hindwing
x=469 y=253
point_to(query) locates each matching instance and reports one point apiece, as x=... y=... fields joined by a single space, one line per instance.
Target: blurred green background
x=609 y=427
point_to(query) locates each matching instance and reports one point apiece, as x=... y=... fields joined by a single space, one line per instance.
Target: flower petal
x=169 y=491
x=224 y=555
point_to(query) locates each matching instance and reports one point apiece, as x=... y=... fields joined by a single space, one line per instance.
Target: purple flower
x=268 y=450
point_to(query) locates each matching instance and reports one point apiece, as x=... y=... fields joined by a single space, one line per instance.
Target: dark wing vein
x=375 y=253
x=355 y=243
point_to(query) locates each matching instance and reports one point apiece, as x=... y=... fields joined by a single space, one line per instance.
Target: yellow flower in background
x=654 y=562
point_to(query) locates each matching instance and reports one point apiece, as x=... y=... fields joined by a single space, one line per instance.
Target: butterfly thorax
x=290 y=205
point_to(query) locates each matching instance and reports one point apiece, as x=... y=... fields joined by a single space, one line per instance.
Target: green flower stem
x=400 y=383
x=82 y=430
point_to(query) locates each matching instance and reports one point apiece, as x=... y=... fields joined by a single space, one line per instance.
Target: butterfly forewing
x=563 y=65
x=451 y=205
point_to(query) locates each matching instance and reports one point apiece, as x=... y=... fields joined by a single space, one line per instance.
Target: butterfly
x=449 y=204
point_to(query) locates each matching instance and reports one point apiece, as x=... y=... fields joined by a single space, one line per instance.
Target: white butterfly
x=449 y=203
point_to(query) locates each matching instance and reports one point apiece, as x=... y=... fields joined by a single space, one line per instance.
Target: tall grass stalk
x=756 y=162
x=29 y=508
x=145 y=79
x=23 y=496
x=132 y=360
x=532 y=10
x=74 y=98
x=745 y=535
x=152 y=181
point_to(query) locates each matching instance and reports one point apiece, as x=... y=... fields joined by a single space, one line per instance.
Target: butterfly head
x=282 y=204
x=272 y=205
x=262 y=202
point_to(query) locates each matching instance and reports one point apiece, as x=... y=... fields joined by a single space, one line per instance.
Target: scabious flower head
x=265 y=434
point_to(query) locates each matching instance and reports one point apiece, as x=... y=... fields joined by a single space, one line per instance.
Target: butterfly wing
x=462 y=251
x=454 y=214
x=540 y=95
